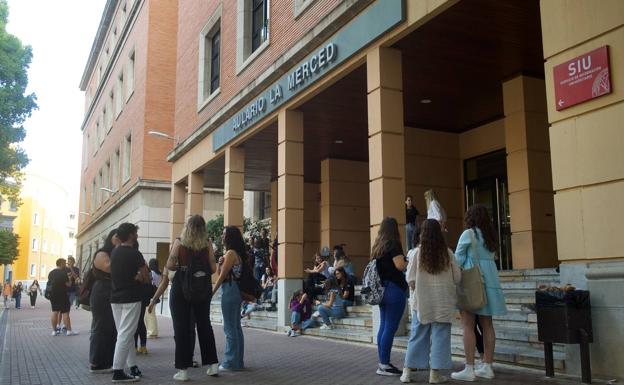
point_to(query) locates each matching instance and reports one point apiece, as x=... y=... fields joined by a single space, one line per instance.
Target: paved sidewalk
x=31 y=356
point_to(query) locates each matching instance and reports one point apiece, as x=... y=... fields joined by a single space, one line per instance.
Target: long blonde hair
x=194 y=235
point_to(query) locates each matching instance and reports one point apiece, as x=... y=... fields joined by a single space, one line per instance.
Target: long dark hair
x=345 y=278
x=387 y=237
x=108 y=243
x=477 y=217
x=434 y=256
x=233 y=240
x=153 y=266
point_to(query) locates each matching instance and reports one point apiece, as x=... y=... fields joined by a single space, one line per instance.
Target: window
x=259 y=20
x=124 y=14
x=33 y=270
x=93 y=207
x=71 y=235
x=72 y=217
x=114 y=175
x=106 y=179
x=252 y=31
x=114 y=38
x=85 y=151
x=130 y=76
x=44 y=246
x=99 y=192
x=36 y=218
x=210 y=59
x=109 y=107
x=118 y=93
x=13 y=205
x=35 y=244
x=127 y=158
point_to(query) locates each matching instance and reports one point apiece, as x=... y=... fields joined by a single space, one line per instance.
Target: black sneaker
x=121 y=376
x=100 y=369
x=135 y=372
x=391 y=370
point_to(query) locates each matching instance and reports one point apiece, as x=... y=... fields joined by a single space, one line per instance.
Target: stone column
x=234 y=187
x=290 y=204
x=529 y=176
x=274 y=220
x=177 y=210
x=195 y=195
x=386 y=153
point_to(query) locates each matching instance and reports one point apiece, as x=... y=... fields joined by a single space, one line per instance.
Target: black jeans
x=182 y=313
x=103 y=331
x=33 y=298
x=141 y=329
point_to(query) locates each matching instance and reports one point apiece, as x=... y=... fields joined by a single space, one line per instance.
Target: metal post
x=585 y=360
x=548 y=359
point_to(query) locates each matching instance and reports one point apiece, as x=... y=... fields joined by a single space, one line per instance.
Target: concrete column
x=195 y=194
x=386 y=153
x=290 y=205
x=234 y=187
x=529 y=176
x=274 y=220
x=178 y=193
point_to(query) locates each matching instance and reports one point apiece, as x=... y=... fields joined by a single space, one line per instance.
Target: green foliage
x=254 y=229
x=15 y=106
x=214 y=228
x=8 y=247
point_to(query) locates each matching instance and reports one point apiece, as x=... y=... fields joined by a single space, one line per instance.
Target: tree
x=8 y=247
x=214 y=228
x=15 y=106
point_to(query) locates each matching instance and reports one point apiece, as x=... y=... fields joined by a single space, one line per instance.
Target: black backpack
x=248 y=285
x=197 y=279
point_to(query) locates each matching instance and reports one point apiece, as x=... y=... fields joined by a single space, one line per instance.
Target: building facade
x=339 y=109
x=42 y=222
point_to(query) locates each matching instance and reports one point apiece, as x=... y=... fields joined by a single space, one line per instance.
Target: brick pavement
x=31 y=356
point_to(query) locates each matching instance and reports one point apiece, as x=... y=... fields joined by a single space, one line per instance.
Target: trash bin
x=565 y=317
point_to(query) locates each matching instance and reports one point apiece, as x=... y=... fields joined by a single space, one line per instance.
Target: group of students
x=431 y=272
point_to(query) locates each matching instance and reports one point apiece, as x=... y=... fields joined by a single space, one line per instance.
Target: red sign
x=583 y=78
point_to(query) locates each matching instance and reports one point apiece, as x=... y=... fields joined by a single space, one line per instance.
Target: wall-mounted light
x=107 y=190
x=425 y=101
x=85 y=213
x=163 y=135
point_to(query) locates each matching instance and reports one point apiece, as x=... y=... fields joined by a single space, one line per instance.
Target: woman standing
x=192 y=258
x=33 y=290
x=151 y=323
x=230 y=269
x=411 y=214
x=103 y=331
x=17 y=294
x=391 y=263
x=478 y=243
x=432 y=275
x=435 y=209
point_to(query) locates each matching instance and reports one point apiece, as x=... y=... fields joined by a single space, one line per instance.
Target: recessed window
x=114 y=175
x=259 y=25
x=210 y=59
x=252 y=30
x=98 y=191
x=130 y=75
x=93 y=202
x=33 y=270
x=35 y=244
x=127 y=158
x=44 y=246
x=118 y=93
x=109 y=108
x=36 y=219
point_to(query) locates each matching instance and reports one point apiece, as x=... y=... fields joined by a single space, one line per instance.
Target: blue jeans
x=390 y=310
x=295 y=319
x=258 y=272
x=336 y=311
x=430 y=341
x=234 y=340
x=18 y=300
x=409 y=235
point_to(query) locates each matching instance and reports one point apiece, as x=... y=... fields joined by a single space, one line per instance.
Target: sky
x=61 y=34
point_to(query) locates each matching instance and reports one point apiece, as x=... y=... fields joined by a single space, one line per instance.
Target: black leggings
x=141 y=329
x=33 y=298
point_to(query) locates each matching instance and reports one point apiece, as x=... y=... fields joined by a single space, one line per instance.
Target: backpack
x=84 y=292
x=197 y=280
x=248 y=285
x=372 y=290
x=48 y=290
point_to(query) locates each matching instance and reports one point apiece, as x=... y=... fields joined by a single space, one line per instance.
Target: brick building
x=341 y=108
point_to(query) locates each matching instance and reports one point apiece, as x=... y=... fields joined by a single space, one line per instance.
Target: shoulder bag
x=471 y=292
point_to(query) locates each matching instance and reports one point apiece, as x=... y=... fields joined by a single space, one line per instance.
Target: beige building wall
x=588 y=170
x=345 y=209
x=311 y=222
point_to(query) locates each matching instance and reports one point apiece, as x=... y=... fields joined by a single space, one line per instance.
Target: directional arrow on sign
x=561 y=102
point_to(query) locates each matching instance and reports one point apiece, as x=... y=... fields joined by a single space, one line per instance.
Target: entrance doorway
x=486 y=183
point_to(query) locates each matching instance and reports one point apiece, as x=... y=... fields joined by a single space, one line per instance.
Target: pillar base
x=285 y=288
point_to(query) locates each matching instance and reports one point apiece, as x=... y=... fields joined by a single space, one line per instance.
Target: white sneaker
x=436 y=378
x=289 y=333
x=467 y=374
x=213 y=370
x=295 y=333
x=485 y=371
x=72 y=333
x=326 y=327
x=316 y=314
x=406 y=376
x=54 y=333
x=181 y=375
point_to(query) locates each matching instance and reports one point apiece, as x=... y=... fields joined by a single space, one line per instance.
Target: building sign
x=361 y=31
x=583 y=78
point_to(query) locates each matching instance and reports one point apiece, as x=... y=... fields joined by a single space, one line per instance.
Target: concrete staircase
x=516 y=332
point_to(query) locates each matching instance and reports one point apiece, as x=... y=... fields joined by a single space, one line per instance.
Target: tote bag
x=471 y=294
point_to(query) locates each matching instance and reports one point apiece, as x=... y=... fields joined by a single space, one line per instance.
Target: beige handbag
x=471 y=292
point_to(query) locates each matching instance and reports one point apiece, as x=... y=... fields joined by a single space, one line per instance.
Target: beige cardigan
x=434 y=297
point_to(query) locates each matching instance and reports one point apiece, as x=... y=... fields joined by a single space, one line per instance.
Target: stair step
x=342 y=334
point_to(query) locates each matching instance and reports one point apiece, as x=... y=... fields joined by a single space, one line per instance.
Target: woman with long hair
x=33 y=290
x=391 y=263
x=151 y=323
x=339 y=295
x=103 y=331
x=480 y=237
x=432 y=275
x=192 y=257
x=230 y=270
x=17 y=294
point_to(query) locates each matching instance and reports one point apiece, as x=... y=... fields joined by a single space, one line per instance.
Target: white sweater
x=435 y=296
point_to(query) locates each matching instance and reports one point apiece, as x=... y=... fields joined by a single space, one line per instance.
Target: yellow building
x=42 y=221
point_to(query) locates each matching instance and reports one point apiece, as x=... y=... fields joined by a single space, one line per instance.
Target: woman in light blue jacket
x=480 y=236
